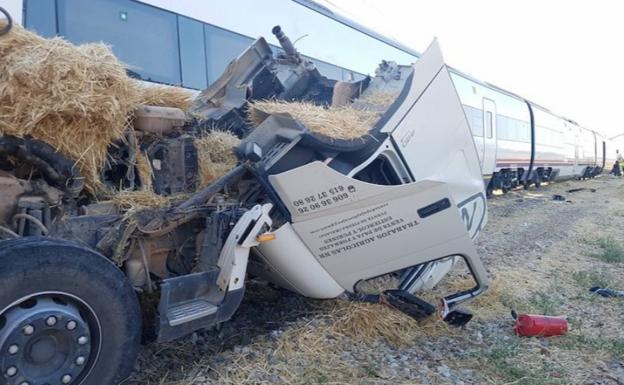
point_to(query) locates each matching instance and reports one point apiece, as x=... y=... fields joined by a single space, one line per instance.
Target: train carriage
x=518 y=142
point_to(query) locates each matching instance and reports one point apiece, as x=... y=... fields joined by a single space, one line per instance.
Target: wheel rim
x=48 y=338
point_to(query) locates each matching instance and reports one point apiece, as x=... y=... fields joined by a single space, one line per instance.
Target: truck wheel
x=67 y=315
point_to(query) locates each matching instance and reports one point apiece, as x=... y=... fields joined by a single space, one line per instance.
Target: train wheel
x=67 y=315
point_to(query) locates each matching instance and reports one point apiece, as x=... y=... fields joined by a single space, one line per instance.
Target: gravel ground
x=542 y=256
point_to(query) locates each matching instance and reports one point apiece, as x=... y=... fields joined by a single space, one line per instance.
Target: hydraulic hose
x=9 y=25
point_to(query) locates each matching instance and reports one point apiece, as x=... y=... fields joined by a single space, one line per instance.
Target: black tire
x=38 y=266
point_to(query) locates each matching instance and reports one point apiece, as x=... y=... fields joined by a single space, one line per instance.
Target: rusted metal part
x=59 y=171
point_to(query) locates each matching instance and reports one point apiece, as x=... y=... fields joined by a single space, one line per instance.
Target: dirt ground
x=542 y=255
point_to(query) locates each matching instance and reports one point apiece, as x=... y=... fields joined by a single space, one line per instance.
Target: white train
x=189 y=43
x=522 y=143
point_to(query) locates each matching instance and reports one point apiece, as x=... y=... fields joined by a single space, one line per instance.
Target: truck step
x=190 y=311
x=192 y=302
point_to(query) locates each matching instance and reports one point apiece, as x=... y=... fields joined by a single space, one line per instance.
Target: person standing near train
x=617 y=168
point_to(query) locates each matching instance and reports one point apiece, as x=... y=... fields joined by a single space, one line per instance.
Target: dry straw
x=379 y=98
x=215 y=155
x=316 y=345
x=76 y=98
x=132 y=201
x=344 y=122
x=165 y=96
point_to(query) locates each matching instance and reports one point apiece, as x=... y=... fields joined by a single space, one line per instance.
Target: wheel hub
x=45 y=339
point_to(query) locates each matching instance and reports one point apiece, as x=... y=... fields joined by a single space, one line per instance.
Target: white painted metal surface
x=432 y=134
x=289 y=257
x=235 y=252
x=357 y=230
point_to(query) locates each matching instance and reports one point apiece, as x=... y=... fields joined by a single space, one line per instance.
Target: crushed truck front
x=277 y=172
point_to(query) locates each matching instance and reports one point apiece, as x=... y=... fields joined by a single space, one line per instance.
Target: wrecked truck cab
x=308 y=205
x=347 y=226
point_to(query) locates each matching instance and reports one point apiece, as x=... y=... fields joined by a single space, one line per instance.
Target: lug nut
x=13 y=349
x=82 y=340
x=66 y=379
x=11 y=371
x=71 y=325
x=51 y=321
x=28 y=330
x=80 y=360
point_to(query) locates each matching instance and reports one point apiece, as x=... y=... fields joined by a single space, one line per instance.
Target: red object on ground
x=529 y=325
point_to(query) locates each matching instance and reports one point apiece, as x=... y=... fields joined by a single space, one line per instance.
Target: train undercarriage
x=507 y=179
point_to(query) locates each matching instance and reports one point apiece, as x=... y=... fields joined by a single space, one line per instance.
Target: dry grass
x=76 y=98
x=132 y=201
x=215 y=155
x=165 y=96
x=312 y=352
x=369 y=322
x=343 y=122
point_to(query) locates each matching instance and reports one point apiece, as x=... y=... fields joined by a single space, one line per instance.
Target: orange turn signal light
x=266 y=237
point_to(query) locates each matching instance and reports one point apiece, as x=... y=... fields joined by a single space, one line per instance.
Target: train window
x=328 y=70
x=475 y=120
x=192 y=53
x=488 y=124
x=144 y=37
x=512 y=129
x=41 y=17
x=221 y=48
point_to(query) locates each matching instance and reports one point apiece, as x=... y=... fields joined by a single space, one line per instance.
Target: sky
x=567 y=56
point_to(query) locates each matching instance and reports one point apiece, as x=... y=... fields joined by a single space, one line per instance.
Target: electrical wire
x=8 y=231
x=9 y=25
x=35 y=221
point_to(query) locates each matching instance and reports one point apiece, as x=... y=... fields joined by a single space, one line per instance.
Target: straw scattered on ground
x=76 y=98
x=541 y=255
x=215 y=155
x=343 y=122
x=309 y=353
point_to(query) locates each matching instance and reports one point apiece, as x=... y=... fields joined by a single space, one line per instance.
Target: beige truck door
x=358 y=230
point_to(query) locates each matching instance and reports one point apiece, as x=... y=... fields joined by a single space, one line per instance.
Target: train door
x=489 y=137
x=578 y=151
x=596 y=153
